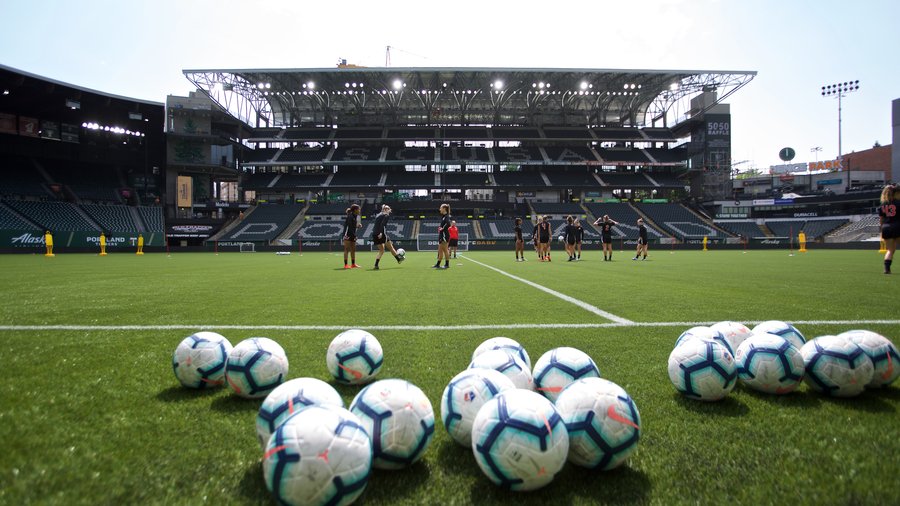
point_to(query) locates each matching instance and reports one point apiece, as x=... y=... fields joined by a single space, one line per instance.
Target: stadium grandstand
x=272 y=156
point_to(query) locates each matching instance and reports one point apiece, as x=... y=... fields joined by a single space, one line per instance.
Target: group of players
x=572 y=236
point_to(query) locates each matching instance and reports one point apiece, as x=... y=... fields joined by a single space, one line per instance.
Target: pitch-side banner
x=185 y=190
x=34 y=240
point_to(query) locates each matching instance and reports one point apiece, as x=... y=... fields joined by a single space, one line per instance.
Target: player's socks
x=376 y=262
x=887 y=266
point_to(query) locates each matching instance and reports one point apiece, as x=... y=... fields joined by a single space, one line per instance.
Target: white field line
x=583 y=305
x=194 y=328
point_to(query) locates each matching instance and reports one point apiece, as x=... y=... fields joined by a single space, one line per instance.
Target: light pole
x=816 y=151
x=838 y=90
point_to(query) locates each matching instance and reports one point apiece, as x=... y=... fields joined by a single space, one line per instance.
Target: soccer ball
x=702 y=369
x=320 y=455
x=733 y=332
x=704 y=333
x=769 y=363
x=255 y=367
x=464 y=396
x=783 y=329
x=503 y=343
x=399 y=418
x=401 y=252
x=510 y=365
x=562 y=238
x=519 y=440
x=354 y=357
x=290 y=397
x=836 y=366
x=883 y=353
x=199 y=360
x=603 y=423
x=559 y=367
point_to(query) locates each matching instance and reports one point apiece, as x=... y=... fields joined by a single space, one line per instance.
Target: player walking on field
x=579 y=237
x=642 y=240
x=570 y=237
x=534 y=240
x=443 y=238
x=606 y=224
x=351 y=223
x=545 y=230
x=520 y=241
x=890 y=222
x=379 y=235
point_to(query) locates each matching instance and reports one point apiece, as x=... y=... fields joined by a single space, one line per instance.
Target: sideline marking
x=500 y=326
x=583 y=305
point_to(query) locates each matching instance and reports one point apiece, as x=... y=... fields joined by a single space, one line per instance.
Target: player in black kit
x=443 y=238
x=520 y=241
x=543 y=236
x=890 y=222
x=351 y=223
x=570 y=234
x=379 y=235
x=534 y=240
x=606 y=224
x=642 y=240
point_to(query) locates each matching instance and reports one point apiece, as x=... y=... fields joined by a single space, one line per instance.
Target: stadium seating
x=411 y=133
x=466 y=154
x=303 y=154
x=503 y=229
x=515 y=133
x=265 y=223
x=356 y=154
x=567 y=133
x=460 y=179
x=20 y=179
x=356 y=178
x=520 y=154
x=464 y=133
x=11 y=221
x=410 y=180
x=667 y=155
x=659 y=134
x=398 y=229
x=111 y=218
x=54 y=216
x=746 y=229
x=410 y=154
x=618 y=134
x=666 y=179
x=557 y=210
x=430 y=226
x=339 y=208
x=526 y=178
x=785 y=228
x=152 y=218
x=625 y=179
x=305 y=180
x=562 y=154
x=258 y=180
x=260 y=155
x=571 y=178
x=357 y=133
x=625 y=215
x=815 y=229
x=865 y=228
x=679 y=221
x=633 y=156
x=308 y=133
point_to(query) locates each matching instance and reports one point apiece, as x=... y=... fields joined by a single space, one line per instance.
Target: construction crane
x=387 y=54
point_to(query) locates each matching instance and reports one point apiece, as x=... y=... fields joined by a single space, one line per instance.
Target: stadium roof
x=385 y=96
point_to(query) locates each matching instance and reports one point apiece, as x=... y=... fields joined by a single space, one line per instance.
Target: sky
x=138 y=49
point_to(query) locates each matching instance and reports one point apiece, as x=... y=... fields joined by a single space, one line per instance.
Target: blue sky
x=138 y=48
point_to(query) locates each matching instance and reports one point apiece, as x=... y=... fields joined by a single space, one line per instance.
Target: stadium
x=263 y=161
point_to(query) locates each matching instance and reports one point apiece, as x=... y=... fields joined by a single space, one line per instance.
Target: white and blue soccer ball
x=884 y=355
x=603 y=423
x=702 y=369
x=401 y=252
x=465 y=395
x=354 y=357
x=704 y=333
x=503 y=343
x=399 y=419
x=559 y=367
x=770 y=364
x=836 y=366
x=507 y=363
x=199 y=360
x=783 y=329
x=290 y=397
x=519 y=440
x=320 y=455
x=733 y=332
x=255 y=367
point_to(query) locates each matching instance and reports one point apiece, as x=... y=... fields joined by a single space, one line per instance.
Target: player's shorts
x=570 y=241
x=606 y=238
x=890 y=231
x=382 y=240
x=544 y=239
x=453 y=243
x=642 y=240
x=351 y=238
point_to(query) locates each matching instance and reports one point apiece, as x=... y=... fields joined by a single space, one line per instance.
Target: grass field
x=90 y=411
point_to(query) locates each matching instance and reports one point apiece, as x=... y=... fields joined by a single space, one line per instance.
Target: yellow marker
x=102 y=244
x=802 y=238
x=48 y=242
x=705 y=240
x=140 y=250
x=883 y=248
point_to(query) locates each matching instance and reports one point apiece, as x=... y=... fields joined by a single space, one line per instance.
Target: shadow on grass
x=179 y=393
x=729 y=406
x=795 y=399
x=622 y=485
x=868 y=401
x=252 y=485
x=888 y=392
x=235 y=404
x=393 y=486
x=457 y=460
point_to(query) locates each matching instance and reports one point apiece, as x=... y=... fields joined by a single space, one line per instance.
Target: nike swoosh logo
x=550 y=389
x=356 y=374
x=890 y=368
x=612 y=413
x=274 y=451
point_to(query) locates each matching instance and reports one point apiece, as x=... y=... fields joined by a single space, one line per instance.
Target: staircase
x=291 y=230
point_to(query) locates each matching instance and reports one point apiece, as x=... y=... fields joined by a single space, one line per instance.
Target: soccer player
x=443 y=238
x=520 y=241
x=351 y=223
x=534 y=240
x=606 y=224
x=545 y=230
x=579 y=237
x=379 y=235
x=48 y=242
x=890 y=222
x=642 y=240
x=454 y=238
x=570 y=238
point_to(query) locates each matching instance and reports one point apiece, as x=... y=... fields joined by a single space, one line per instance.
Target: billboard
x=185 y=191
x=49 y=130
x=28 y=126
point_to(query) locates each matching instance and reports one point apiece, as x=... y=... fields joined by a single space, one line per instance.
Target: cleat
x=346 y=266
x=354 y=266
x=376 y=268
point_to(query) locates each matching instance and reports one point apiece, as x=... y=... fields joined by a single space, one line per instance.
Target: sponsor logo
x=28 y=239
x=770 y=241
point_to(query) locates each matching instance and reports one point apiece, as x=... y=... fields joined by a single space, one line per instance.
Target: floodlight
x=498 y=84
x=398 y=84
x=584 y=85
x=311 y=85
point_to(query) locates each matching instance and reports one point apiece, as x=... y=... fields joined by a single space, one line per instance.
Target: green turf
x=96 y=416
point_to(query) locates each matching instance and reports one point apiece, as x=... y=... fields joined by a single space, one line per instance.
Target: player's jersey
x=579 y=233
x=350 y=226
x=518 y=230
x=381 y=221
x=454 y=232
x=642 y=233
x=534 y=232
x=570 y=233
x=606 y=228
x=544 y=230
x=888 y=213
x=444 y=228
